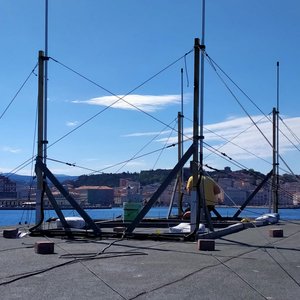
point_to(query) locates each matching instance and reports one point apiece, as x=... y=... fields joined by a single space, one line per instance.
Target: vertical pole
x=46 y=82
x=195 y=162
x=277 y=134
x=277 y=142
x=275 y=164
x=40 y=143
x=182 y=116
x=202 y=86
x=179 y=176
x=198 y=213
x=180 y=147
x=201 y=137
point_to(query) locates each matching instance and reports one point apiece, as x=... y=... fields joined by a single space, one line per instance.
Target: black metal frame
x=159 y=191
x=47 y=174
x=252 y=195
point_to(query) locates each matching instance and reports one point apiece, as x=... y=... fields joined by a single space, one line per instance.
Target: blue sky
x=116 y=48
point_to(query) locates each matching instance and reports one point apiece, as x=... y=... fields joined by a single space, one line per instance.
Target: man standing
x=210 y=190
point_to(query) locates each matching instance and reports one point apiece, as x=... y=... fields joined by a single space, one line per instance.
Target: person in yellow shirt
x=210 y=189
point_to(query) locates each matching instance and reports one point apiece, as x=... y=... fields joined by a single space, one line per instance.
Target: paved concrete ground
x=245 y=265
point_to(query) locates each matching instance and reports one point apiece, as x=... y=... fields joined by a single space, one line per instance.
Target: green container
x=131 y=210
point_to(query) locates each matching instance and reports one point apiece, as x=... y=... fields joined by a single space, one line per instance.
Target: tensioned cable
x=285 y=163
x=186 y=71
x=119 y=98
x=111 y=166
x=292 y=133
x=242 y=107
x=230 y=141
x=231 y=92
x=31 y=171
x=268 y=183
x=72 y=165
x=21 y=166
x=217 y=152
x=165 y=145
x=225 y=156
x=30 y=160
x=33 y=152
x=18 y=92
x=256 y=175
x=27 y=162
x=148 y=143
x=113 y=94
x=213 y=64
x=239 y=165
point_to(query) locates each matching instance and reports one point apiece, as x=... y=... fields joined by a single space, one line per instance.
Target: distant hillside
x=24 y=179
x=144 y=177
x=112 y=180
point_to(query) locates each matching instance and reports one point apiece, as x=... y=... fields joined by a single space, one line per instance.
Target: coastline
x=110 y=207
x=51 y=208
x=255 y=265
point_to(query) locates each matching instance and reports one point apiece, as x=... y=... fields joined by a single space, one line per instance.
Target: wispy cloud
x=142 y=134
x=72 y=123
x=239 y=138
x=11 y=150
x=148 y=103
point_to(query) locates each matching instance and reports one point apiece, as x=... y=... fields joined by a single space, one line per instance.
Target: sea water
x=26 y=216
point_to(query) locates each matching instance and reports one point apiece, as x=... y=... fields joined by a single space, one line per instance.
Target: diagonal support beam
x=160 y=190
x=68 y=197
x=56 y=207
x=252 y=195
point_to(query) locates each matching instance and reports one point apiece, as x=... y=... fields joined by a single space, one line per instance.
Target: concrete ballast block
x=10 y=233
x=119 y=229
x=276 y=232
x=206 y=244
x=44 y=247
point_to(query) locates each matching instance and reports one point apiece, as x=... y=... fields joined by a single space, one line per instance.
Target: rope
x=111 y=166
x=165 y=145
x=18 y=92
x=291 y=132
x=148 y=143
x=113 y=94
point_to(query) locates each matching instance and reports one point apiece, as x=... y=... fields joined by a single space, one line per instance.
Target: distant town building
x=8 y=192
x=61 y=200
x=7 y=188
x=296 y=198
x=234 y=196
x=128 y=191
x=97 y=195
x=225 y=182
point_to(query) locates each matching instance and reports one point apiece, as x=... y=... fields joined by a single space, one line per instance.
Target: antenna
x=202 y=85
x=46 y=81
x=275 y=179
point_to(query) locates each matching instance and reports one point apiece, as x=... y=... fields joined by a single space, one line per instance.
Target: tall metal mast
x=180 y=146
x=275 y=179
x=277 y=134
x=46 y=82
x=42 y=119
x=202 y=56
x=198 y=121
x=40 y=143
x=195 y=161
